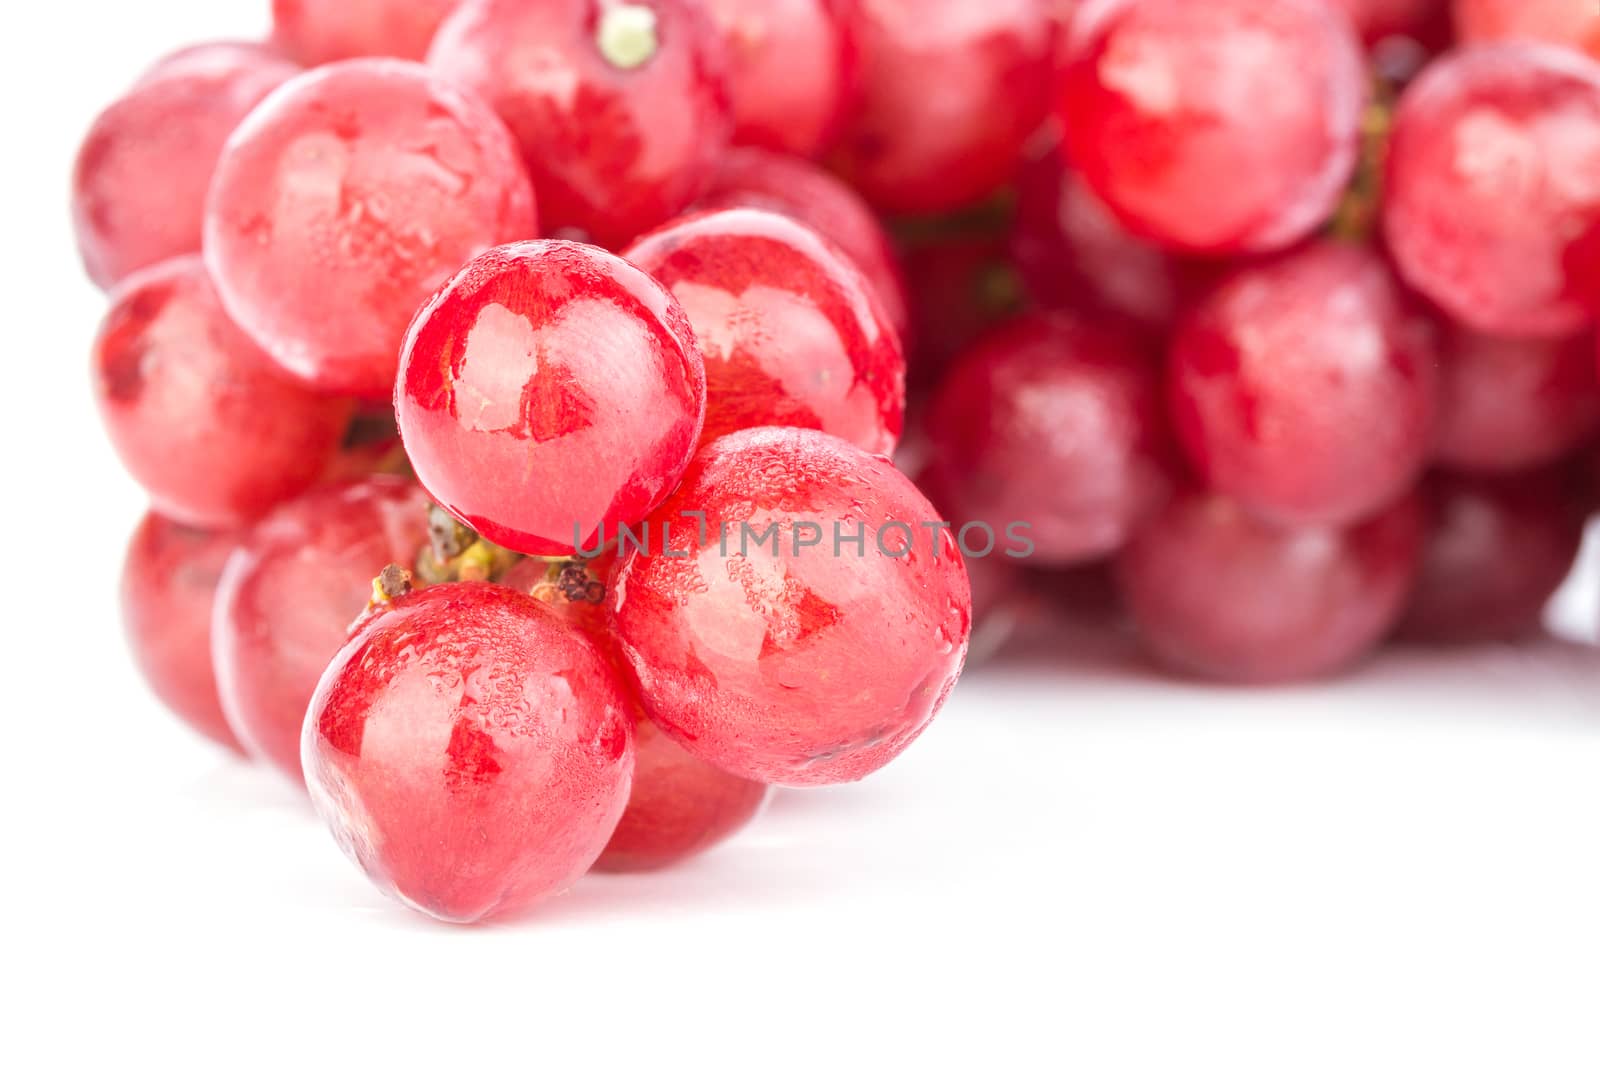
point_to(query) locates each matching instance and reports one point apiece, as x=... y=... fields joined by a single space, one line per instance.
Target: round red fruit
x=791 y=330
x=1054 y=421
x=1575 y=23
x=679 y=805
x=621 y=106
x=198 y=414
x=140 y=180
x=1306 y=388
x=1219 y=127
x=470 y=751
x=290 y=594
x=1509 y=404
x=792 y=70
x=1492 y=203
x=951 y=92
x=346 y=199
x=322 y=31
x=752 y=178
x=808 y=631
x=1072 y=251
x=169 y=580
x=1219 y=593
x=549 y=393
x=1497 y=551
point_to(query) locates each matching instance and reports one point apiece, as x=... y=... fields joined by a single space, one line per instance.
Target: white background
x=1080 y=862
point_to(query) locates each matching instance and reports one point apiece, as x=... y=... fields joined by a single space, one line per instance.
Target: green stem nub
x=627 y=36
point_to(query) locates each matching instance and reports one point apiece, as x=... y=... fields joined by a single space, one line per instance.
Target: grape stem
x=1357 y=214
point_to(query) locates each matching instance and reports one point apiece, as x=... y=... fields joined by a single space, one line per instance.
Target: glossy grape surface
x=621 y=106
x=140 y=179
x=1509 y=404
x=753 y=178
x=1306 y=388
x=290 y=594
x=791 y=330
x=1054 y=421
x=791 y=664
x=1492 y=198
x=679 y=806
x=1220 y=127
x=951 y=92
x=549 y=393
x=1498 y=549
x=345 y=200
x=1073 y=252
x=169 y=580
x=1216 y=592
x=198 y=414
x=470 y=751
x=1575 y=23
x=792 y=70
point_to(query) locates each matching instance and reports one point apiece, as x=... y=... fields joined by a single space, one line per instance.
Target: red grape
x=1493 y=190
x=1219 y=127
x=1575 y=23
x=198 y=414
x=621 y=107
x=1498 y=550
x=321 y=31
x=139 y=183
x=346 y=199
x=679 y=805
x=809 y=658
x=1072 y=251
x=752 y=178
x=469 y=750
x=548 y=393
x=1306 y=387
x=952 y=91
x=1054 y=421
x=792 y=70
x=1220 y=593
x=1510 y=404
x=169 y=580
x=289 y=595
x=791 y=330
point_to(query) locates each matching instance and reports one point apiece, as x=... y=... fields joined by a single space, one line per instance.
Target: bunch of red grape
x=514 y=381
